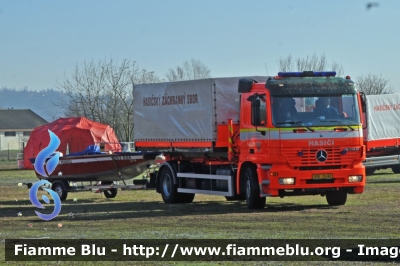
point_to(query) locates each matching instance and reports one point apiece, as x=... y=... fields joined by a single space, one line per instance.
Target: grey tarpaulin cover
x=383 y=116
x=185 y=110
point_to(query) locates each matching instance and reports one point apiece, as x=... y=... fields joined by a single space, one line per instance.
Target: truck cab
x=298 y=133
x=301 y=134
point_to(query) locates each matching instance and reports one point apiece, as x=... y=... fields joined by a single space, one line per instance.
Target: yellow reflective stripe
x=230 y=129
x=330 y=128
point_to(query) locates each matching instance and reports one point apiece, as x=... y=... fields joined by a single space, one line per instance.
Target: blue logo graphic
x=49 y=157
x=45 y=153
x=36 y=203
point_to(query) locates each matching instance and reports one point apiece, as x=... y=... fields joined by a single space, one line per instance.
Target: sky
x=41 y=42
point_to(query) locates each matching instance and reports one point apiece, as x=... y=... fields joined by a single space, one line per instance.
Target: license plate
x=322 y=176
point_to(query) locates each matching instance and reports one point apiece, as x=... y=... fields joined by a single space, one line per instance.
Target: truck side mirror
x=245 y=85
x=255 y=111
x=363 y=101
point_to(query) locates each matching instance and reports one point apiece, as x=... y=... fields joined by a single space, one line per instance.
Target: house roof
x=19 y=119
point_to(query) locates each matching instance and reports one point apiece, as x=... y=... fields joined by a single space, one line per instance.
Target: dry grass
x=142 y=214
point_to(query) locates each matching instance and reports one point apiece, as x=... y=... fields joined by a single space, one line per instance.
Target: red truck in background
x=381 y=126
x=299 y=133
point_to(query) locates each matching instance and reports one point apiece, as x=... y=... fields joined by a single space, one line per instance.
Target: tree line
x=367 y=83
x=102 y=91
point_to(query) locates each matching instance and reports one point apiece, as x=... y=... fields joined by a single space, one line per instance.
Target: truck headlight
x=355 y=178
x=286 y=181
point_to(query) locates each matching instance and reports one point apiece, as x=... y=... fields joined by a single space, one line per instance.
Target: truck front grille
x=306 y=159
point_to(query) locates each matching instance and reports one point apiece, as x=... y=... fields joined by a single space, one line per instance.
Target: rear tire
x=236 y=197
x=60 y=187
x=169 y=191
x=396 y=169
x=110 y=193
x=336 y=197
x=253 y=199
x=186 y=197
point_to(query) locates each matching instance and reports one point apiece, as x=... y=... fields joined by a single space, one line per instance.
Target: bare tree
x=369 y=84
x=102 y=92
x=285 y=64
x=308 y=63
x=373 y=84
x=194 y=69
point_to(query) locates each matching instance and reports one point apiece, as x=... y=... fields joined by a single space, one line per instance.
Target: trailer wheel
x=336 y=197
x=168 y=189
x=60 y=187
x=396 y=169
x=253 y=199
x=109 y=193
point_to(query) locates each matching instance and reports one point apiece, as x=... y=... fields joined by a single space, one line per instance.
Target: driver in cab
x=323 y=108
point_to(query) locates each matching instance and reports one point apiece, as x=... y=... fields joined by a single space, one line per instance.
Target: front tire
x=396 y=169
x=370 y=171
x=60 y=187
x=336 y=197
x=253 y=199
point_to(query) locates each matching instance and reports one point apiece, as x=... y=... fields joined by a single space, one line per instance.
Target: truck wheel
x=253 y=199
x=236 y=197
x=396 y=169
x=336 y=198
x=60 y=187
x=186 y=197
x=110 y=193
x=168 y=189
x=370 y=171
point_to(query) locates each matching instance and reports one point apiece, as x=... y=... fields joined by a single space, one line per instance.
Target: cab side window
x=262 y=115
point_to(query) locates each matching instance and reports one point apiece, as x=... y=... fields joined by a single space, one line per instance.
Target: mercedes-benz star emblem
x=322 y=156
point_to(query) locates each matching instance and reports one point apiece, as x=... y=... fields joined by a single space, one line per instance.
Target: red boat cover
x=75 y=132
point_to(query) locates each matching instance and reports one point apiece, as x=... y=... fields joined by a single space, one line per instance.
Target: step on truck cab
x=250 y=138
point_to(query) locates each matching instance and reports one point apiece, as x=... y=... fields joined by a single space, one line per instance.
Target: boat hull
x=100 y=167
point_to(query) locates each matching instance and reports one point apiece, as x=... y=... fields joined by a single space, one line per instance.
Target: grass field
x=142 y=215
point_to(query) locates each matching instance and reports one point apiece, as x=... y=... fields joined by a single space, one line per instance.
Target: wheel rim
x=58 y=190
x=248 y=189
x=167 y=185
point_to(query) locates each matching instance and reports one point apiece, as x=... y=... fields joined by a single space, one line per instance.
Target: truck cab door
x=254 y=130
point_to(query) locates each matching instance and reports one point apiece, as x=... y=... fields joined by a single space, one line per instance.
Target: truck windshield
x=321 y=110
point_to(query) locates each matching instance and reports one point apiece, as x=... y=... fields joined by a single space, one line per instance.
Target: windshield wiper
x=296 y=122
x=340 y=123
x=289 y=122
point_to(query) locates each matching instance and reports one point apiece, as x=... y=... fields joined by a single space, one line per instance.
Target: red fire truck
x=298 y=133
